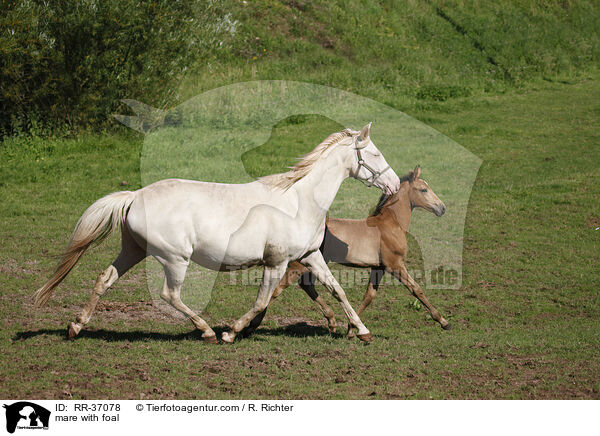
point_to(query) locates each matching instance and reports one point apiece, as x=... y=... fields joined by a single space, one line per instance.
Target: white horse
x=270 y=222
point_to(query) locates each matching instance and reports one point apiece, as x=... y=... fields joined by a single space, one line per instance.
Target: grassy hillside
x=403 y=52
x=70 y=63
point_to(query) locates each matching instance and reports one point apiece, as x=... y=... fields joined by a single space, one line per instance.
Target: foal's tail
x=95 y=225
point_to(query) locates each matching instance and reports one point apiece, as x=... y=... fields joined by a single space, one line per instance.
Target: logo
x=26 y=415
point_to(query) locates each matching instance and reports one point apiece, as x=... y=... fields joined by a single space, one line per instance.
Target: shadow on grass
x=300 y=329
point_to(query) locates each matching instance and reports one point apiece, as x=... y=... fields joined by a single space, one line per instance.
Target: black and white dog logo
x=26 y=415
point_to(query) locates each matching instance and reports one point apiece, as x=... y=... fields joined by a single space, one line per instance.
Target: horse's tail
x=95 y=225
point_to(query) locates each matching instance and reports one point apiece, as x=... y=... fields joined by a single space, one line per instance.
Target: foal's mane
x=307 y=162
x=384 y=202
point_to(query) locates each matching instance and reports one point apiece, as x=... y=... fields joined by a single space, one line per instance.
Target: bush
x=71 y=61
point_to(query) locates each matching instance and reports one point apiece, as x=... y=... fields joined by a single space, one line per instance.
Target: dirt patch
x=501 y=376
x=117 y=310
x=593 y=222
x=12 y=268
x=540 y=377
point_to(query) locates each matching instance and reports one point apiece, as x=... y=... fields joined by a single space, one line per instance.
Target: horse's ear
x=366 y=131
x=417 y=172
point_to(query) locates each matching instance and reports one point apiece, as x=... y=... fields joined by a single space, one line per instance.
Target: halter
x=361 y=163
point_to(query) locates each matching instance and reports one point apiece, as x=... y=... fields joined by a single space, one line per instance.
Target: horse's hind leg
x=307 y=283
x=400 y=272
x=316 y=264
x=171 y=293
x=131 y=254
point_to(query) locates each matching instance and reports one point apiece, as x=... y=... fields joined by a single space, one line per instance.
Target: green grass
x=403 y=52
x=525 y=319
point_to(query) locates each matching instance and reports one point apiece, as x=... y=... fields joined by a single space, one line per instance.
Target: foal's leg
x=131 y=254
x=374 y=280
x=307 y=283
x=295 y=270
x=271 y=278
x=399 y=271
x=318 y=267
x=174 y=275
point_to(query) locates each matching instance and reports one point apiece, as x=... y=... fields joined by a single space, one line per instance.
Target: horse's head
x=370 y=165
x=421 y=194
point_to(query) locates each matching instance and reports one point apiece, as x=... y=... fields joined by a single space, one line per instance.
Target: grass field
x=525 y=319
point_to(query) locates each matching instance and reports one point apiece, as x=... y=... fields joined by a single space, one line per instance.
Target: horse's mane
x=384 y=202
x=307 y=162
x=380 y=204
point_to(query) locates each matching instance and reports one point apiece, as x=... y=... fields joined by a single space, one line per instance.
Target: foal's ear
x=416 y=173
x=366 y=131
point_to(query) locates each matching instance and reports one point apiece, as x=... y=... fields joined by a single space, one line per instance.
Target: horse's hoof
x=366 y=337
x=212 y=339
x=226 y=337
x=447 y=326
x=350 y=334
x=73 y=330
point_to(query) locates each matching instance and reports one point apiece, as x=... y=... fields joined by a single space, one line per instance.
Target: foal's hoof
x=366 y=337
x=351 y=334
x=73 y=330
x=332 y=325
x=447 y=326
x=211 y=339
x=227 y=337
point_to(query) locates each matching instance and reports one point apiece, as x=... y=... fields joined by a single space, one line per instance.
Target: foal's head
x=421 y=195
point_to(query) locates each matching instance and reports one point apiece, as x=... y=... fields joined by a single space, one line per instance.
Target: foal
x=378 y=242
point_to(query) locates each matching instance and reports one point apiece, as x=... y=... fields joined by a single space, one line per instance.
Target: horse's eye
x=423 y=191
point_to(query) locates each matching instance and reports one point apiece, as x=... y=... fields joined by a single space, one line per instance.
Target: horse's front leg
x=271 y=278
x=294 y=271
x=374 y=280
x=317 y=265
x=398 y=269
